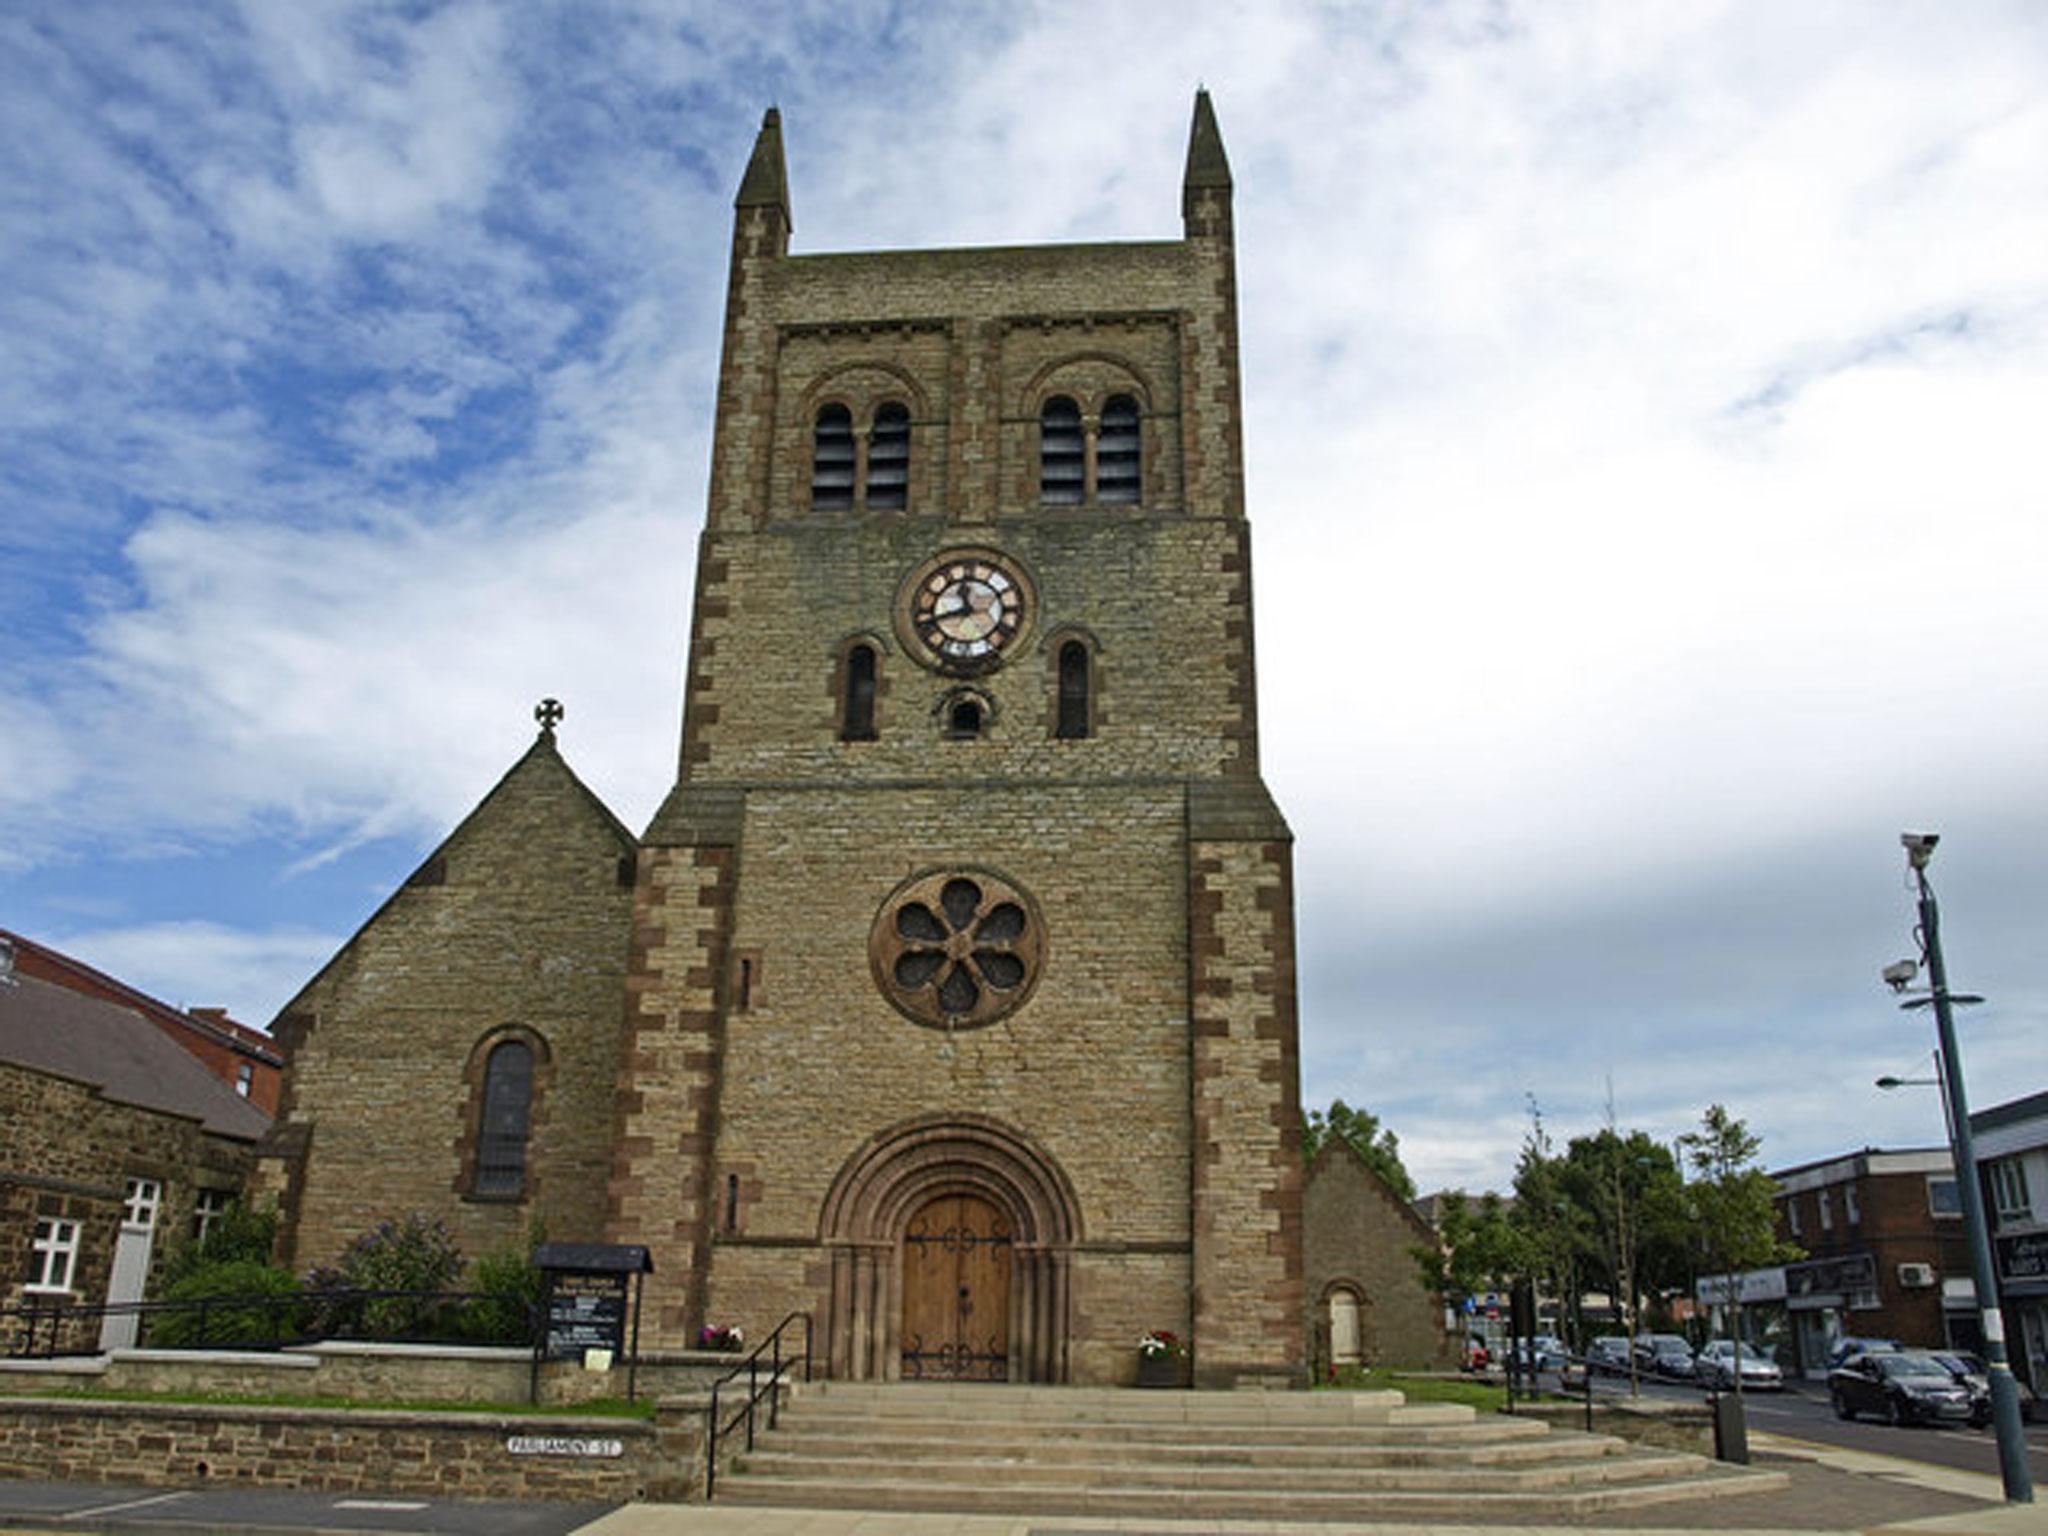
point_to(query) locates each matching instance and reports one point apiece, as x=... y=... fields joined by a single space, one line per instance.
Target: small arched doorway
x=1347 y=1337
x=951 y=1242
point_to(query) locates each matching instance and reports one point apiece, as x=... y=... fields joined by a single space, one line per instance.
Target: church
x=949 y=997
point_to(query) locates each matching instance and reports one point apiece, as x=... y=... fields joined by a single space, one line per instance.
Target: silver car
x=1715 y=1368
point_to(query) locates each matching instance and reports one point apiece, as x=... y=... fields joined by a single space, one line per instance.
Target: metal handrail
x=772 y=1347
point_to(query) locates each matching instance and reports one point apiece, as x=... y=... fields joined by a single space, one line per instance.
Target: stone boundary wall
x=449 y=1455
x=372 y=1372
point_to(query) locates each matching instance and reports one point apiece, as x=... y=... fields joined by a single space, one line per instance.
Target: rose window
x=957 y=949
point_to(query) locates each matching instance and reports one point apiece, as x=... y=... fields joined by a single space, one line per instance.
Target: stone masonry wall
x=1356 y=1232
x=519 y=919
x=1247 y=1115
x=67 y=1151
x=459 y=1455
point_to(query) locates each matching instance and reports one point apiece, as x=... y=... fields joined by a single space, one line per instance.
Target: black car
x=1608 y=1354
x=1664 y=1354
x=1974 y=1374
x=1906 y=1387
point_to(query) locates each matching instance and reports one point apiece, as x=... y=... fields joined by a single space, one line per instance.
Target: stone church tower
x=954 y=979
x=961 y=991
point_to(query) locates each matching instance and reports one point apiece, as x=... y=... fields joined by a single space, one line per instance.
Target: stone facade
x=1357 y=1234
x=514 y=928
x=1109 y=1099
x=67 y=1151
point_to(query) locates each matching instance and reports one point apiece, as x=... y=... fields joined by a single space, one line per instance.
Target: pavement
x=1831 y=1490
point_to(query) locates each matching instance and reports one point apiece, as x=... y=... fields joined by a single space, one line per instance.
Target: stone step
x=970 y=1473
x=1159 y=1443
x=1099 y=1424
x=1124 y=1405
x=1196 y=1456
x=1459 y=1506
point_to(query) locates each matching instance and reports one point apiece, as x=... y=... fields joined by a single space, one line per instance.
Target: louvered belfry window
x=832 y=460
x=1118 y=468
x=508 y=1101
x=889 y=459
x=1061 y=469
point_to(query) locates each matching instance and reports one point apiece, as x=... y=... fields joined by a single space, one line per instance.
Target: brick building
x=1366 y=1301
x=1886 y=1254
x=949 y=996
x=246 y=1059
x=2012 y=1155
x=114 y=1144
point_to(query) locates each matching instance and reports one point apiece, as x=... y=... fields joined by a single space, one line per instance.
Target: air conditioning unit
x=1916 y=1277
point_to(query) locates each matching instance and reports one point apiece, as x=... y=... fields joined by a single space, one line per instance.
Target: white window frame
x=208 y=1206
x=1792 y=1214
x=56 y=1240
x=1851 y=1212
x=245 y=1078
x=1827 y=1210
x=140 y=1205
x=2009 y=1196
x=1955 y=1196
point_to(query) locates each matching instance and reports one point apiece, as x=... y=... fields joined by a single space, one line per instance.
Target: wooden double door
x=956 y=1292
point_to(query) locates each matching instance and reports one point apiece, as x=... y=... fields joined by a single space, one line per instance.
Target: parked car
x=1609 y=1353
x=1851 y=1345
x=1900 y=1387
x=1973 y=1373
x=1545 y=1352
x=1714 y=1367
x=1664 y=1354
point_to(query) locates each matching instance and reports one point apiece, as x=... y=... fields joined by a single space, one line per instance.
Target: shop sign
x=2023 y=1256
x=1831 y=1277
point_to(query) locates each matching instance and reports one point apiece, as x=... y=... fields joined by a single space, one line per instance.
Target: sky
x=1644 y=441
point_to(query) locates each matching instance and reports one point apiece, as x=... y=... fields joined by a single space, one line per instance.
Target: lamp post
x=2005 y=1398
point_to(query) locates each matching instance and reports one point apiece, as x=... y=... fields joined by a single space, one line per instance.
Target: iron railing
x=751 y=1368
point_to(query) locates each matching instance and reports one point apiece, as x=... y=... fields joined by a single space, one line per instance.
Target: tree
x=1380 y=1148
x=1733 y=1201
x=1478 y=1249
x=1632 y=1217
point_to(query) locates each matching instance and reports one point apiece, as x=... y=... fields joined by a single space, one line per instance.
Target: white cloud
x=251 y=973
x=1641 y=408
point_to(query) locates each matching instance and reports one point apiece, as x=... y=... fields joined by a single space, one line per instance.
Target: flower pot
x=1159 y=1371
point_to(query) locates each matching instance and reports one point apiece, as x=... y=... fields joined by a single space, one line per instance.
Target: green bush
x=241 y=1281
x=415 y=1255
x=511 y=1294
x=240 y=1234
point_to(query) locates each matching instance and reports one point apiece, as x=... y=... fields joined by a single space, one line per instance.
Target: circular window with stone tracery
x=957 y=948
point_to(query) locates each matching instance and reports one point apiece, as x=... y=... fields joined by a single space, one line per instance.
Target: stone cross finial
x=549 y=713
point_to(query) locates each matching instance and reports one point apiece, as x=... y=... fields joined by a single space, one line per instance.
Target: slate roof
x=52 y=1029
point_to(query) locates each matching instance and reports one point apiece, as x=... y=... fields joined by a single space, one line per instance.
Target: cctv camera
x=1919 y=847
x=1900 y=973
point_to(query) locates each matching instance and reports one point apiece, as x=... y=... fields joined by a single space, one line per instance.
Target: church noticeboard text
x=585 y=1311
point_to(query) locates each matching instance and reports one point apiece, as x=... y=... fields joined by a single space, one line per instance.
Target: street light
x=1889 y=1083
x=2005 y=1397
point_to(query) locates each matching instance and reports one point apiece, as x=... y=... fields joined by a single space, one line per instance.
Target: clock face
x=966 y=609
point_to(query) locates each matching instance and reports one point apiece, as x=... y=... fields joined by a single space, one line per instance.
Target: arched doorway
x=1347 y=1341
x=950 y=1242
x=956 y=1291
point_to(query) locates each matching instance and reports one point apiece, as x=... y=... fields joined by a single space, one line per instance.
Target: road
x=1803 y=1412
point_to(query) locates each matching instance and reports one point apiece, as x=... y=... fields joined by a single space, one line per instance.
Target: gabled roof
x=543 y=753
x=211 y=1023
x=48 y=1028
x=1336 y=1147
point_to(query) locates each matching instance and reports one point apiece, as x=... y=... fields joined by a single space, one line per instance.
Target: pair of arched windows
x=1069 y=464
x=836 y=460
x=1073 y=709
